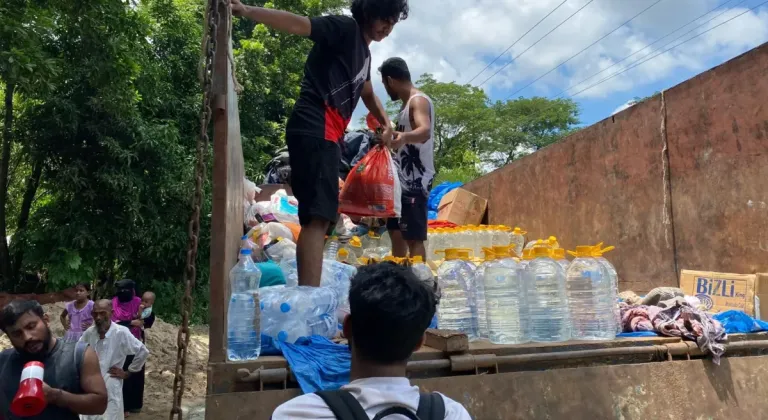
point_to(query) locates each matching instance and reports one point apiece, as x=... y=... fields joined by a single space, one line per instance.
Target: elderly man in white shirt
x=113 y=343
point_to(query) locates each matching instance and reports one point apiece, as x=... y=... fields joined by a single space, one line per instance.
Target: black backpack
x=346 y=407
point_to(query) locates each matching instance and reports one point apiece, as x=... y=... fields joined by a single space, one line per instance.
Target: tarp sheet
x=317 y=363
x=736 y=322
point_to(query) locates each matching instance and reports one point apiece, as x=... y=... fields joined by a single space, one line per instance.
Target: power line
x=534 y=44
x=515 y=43
x=655 y=42
x=586 y=48
x=668 y=49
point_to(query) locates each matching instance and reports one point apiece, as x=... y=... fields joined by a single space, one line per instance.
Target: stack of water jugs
x=284 y=313
x=541 y=298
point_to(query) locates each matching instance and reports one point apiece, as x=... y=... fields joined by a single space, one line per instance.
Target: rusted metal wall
x=678 y=181
x=695 y=389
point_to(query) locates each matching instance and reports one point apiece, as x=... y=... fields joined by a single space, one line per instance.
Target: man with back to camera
x=390 y=310
x=337 y=74
x=414 y=146
x=72 y=382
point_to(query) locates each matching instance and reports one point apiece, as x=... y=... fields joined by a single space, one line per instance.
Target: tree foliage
x=474 y=135
x=100 y=116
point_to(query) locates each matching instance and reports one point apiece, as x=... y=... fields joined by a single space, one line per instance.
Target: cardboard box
x=761 y=296
x=721 y=292
x=462 y=207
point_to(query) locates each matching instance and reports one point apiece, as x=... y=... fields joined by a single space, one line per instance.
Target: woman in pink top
x=77 y=317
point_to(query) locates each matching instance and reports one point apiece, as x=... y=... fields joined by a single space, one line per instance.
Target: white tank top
x=417 y=161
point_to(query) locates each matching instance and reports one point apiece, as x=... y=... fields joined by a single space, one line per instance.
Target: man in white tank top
x=414 y=148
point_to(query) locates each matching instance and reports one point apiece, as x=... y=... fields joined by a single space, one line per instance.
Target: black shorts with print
x=413 y=217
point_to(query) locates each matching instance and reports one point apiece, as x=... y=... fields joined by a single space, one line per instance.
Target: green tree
x=523 y=125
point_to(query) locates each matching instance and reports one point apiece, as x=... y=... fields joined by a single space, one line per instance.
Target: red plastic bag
x=372 y=188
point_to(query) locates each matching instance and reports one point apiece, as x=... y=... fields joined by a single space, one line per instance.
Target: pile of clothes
x=670 y=313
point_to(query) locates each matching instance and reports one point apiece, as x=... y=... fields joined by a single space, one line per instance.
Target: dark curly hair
x=367 y=11
x=390 y=308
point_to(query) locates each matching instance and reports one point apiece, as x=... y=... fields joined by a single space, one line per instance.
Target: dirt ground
x=158 y=389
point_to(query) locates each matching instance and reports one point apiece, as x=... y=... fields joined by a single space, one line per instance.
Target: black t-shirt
x=337 y=67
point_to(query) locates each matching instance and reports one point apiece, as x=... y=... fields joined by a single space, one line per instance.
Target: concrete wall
x=679 y=181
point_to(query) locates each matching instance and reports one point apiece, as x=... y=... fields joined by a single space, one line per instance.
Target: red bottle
x=30 y=400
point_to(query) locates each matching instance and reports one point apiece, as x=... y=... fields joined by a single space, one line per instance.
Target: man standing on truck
x=414 y=145
x=390 y=310
x=337 y=73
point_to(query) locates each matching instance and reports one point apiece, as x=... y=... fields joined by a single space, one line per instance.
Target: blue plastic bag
x=638 y=334
x=317 y=363
x=738 y=322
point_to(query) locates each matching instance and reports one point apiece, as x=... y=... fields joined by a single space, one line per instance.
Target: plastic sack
x=736 y=322
x=372 y=187
x=264 y=234
x=285 y=208
x=317 y=363
x=282 y=250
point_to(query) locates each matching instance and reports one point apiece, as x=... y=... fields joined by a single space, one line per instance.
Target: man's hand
x=238 y=9
x=117 y=372
x=398 y=140
x=386 y=136
x=51 y=394
x=137 y=323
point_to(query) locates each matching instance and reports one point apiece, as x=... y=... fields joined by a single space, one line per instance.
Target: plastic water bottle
x=559 y=255
x=243 y=315
x=546 y=297
x=424 y=273
x=598 y=254
x=331 y=248
x=517 y=241
x=505 y=301
x=590 y=300
x=455 y=277
x=526 y=259
x=479 y=289
x=290 y=313
x=337 y=277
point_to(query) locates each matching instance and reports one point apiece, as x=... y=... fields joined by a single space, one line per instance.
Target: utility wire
x=655 y=42
x=534 y=44
x=668 y=49
x=585 y=48
x=515 y=43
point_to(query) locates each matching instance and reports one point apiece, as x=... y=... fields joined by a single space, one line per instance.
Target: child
x=145 y=309
x=76 y=317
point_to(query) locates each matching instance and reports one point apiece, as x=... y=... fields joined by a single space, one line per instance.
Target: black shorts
x=413 y=217
x=314 y=177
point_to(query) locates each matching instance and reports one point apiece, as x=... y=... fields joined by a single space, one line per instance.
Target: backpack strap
x=343 y=405
x=431 y=406
x=396 y=410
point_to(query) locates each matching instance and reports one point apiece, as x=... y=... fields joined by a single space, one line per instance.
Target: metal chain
x=203 y=142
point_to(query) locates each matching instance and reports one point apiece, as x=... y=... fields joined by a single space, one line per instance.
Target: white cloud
x=623 y=106
x=455 y=39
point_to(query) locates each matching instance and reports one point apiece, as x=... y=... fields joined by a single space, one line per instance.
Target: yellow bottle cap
x=559 y=253
x=583 y=251
x=416 y=259
x=489 y=254
x=343 y=253
x=527 y=254
x=518 y=231
x=356 y=242
x=541 y=251
x=552 y=241
x=502 y=251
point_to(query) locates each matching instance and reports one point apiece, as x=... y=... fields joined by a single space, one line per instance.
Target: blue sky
x=455 y=39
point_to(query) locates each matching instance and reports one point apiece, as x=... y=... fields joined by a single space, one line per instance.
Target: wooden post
x=228 y=173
